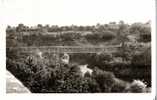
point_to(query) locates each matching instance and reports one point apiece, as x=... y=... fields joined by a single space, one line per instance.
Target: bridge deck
x=68 y=49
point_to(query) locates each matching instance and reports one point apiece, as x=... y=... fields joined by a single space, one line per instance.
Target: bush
x=104 y=79
x=108 y=35
x=146 y=58
x=43 y=76
x=103 y=36
x=137 y=86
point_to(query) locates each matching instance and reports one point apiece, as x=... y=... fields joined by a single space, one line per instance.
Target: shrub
x=108 y=35
x=137 y=86
x=41 y=77
x=146 y=58
x=104 y=79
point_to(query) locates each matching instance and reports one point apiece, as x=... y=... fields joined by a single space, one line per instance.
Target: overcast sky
x=77 y=12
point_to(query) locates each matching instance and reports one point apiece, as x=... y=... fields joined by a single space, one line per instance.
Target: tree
x=104 y=79
x=142 y=59
x=20 y=27
x=143 y=30
x=39 y=26
x=122 y=37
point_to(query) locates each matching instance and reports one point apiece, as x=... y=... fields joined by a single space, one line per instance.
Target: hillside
x=43 y=71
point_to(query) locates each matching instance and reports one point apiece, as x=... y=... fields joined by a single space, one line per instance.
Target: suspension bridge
x=67 y=49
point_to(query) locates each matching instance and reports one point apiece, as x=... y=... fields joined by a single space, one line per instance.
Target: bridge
x=65 y=49
x=68 y=49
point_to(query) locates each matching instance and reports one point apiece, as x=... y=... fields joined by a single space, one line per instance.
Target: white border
x=121 y=96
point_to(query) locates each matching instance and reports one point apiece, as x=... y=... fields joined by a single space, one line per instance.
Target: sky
x=77 y=12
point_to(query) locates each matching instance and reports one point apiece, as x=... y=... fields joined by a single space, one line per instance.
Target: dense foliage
x=125 y=70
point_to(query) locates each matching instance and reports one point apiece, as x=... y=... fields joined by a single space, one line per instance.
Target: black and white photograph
x=79 y=46
x=102 y=58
